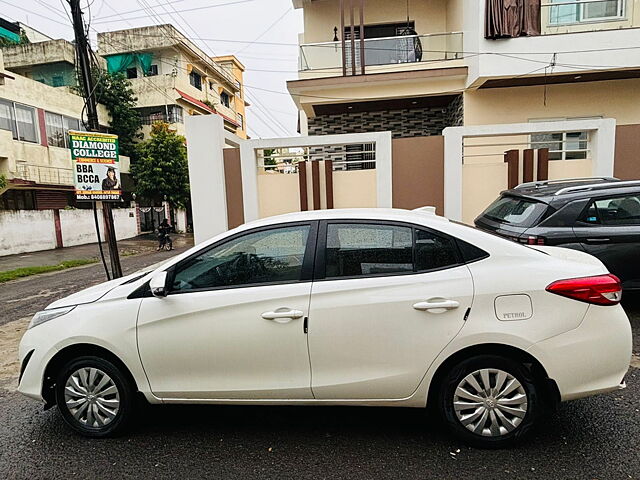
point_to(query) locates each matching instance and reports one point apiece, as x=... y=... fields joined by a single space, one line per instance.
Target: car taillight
x=599 y=290
x=532 y=240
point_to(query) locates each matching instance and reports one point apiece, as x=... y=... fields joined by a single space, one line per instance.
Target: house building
x=36 y=175
x=435 y=73
x=236 y=102
x=173 y=78
x=52 y=62
x=34 y=151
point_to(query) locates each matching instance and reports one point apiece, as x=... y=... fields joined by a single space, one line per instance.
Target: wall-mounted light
x=335 y=34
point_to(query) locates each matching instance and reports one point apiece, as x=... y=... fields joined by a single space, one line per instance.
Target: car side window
x=367 y=249
x=614 y=211
x=434 y=251
x=591 y=215
x=274 y=255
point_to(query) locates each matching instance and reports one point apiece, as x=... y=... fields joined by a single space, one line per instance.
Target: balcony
x=45 y=175
x=419 y=50
x=31 y=54
x=174 y=115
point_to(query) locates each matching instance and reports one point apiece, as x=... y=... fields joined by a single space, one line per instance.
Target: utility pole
x=82 y=53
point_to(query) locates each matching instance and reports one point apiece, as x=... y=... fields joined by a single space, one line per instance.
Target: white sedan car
x=339 y=307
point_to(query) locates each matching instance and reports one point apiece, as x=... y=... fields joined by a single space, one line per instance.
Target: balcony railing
x=171 y=117
x=48 y=175
x=382 y=51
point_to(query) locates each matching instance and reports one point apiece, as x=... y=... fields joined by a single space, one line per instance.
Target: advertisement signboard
x=96 y=166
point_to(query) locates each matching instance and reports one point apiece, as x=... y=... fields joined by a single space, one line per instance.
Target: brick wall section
x=418 y=122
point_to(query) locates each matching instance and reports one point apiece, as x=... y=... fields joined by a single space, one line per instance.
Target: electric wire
x=267 y=30
x=577 y=67
x=185 y=10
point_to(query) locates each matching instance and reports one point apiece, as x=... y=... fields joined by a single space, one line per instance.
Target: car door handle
x=598 y=240
x=283 y=313
x=436 y=305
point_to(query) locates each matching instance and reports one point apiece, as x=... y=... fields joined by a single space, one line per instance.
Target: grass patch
x=28 y=271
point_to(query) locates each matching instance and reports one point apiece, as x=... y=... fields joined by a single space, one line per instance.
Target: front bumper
x=592 y=358
x=34 y=357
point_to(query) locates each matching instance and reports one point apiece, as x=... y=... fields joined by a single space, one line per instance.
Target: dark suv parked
x=600 y=216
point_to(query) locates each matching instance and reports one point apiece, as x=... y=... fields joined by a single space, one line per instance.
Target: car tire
x=94 y=396
x=489 y=401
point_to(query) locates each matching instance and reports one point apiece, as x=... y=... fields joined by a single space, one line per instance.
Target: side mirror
x=158 y=285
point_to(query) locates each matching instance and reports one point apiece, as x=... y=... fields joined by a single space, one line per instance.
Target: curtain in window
x=26 y=119
x=55 y=129
x=119 y=63
x=512 y=18
x=7 y=121
x=145 y=59
x=71 y=124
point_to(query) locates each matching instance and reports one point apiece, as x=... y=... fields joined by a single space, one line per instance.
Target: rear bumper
x=590 y=359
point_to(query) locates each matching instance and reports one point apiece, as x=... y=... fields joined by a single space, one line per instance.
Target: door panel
x=610 y=230
x=366 y=339
x=618 y=247
x=232 y=324
x=215 y=344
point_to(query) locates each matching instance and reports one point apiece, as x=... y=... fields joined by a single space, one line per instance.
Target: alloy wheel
x=490 y=402
x=92 y=397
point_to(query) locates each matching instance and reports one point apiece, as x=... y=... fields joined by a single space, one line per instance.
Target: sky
x=245 y=28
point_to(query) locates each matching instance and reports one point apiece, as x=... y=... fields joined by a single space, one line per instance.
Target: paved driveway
x=595 y=438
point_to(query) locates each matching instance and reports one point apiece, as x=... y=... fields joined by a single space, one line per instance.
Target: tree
x=161 y=167
x=113 y=90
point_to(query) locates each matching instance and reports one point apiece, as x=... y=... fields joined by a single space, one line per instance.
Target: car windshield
x=517 y=211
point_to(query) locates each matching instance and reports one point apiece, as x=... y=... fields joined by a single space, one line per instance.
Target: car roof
x=422 y=215
x=572 y=188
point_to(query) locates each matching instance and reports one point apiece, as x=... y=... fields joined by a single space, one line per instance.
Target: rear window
x=517 y=211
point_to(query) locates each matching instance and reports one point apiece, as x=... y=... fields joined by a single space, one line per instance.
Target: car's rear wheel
x=94 y=396
x=489 y=401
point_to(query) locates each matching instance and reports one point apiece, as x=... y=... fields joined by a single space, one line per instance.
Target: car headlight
x=46 y=315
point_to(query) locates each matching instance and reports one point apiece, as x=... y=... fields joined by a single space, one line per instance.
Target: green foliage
x=209 y=104
x=27 y=271
x=3 y=182
x=5 y=42
x=160 y=168
x=114 y=92
x=268 y=160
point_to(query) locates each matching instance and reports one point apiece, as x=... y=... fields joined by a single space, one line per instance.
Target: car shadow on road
x=288 y=420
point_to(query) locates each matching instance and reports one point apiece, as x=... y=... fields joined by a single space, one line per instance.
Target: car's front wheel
x=489 y=401
x=94 y=397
